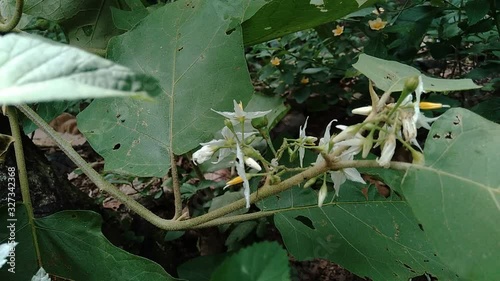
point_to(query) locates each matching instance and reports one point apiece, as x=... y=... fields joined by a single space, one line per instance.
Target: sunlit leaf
x=281 y=17
x=456 y=195
x=392 y=75
x=200 y=65
x=34 y=70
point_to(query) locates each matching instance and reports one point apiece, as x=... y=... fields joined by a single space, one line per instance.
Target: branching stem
x=212 y=218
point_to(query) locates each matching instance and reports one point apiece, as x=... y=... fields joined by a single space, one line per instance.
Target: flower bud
x=260 y=122
x=322 y=194
x=411 y=84
x=229 y=124
x=310 y=182
x=365 y=110
x=250 y=162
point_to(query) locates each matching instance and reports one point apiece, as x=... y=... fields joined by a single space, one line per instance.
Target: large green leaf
x=199 y=66
x=392 y=75
x=93 y=26
x=25 y=263
x=264 y=261
x=281 y=17
x=456 y=195
x=33 y=69
x=378 y=238
x=72 y=246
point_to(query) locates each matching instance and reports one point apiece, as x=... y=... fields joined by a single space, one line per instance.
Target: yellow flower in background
x=304 y=80
x=377 y=24
x=276 y=61
x=338 y=31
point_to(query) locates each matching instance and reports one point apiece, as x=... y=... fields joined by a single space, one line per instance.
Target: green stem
x=265 y=135
x=23 y=176
x=176 y=186
x=12 y=23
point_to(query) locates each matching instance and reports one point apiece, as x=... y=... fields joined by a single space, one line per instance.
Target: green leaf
x=92 y=27
x=392 y=75
x=378 y=238
x=73 y=247
x=200 y=268
x=476 y=10
x=226 y=199
x=264 y=261
x=200 y=67
x=25 y=264
x=281 y=17
x=127 y=19
x=456 y=194
x=27 y=73
x=489 y=109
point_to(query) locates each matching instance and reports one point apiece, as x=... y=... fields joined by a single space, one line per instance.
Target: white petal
x=5 y=250
x=353 y=175
x=338 y=179
x=203 y=154
x=240 y=168
x=387 y=151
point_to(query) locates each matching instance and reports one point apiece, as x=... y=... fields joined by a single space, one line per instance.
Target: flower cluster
x=235 y=143
x=384 y=125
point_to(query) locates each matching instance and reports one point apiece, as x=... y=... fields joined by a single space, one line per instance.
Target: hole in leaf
x=123 y=120
x=306 y=221
x=421 y=226
x=426 y=260
x=457 y=120
x=180 y=49
x=117 y=146
x=118 y=115
x=448 y=136
x=228 y=32
x=436 y=136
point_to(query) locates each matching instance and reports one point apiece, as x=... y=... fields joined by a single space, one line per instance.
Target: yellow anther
x=431 y=105
x=234 y=181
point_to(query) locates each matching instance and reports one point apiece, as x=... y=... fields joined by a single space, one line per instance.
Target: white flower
x=239 y=115
x=5 y=250
x=252 y=163
x=302 y=138
x=324 y=142
x=204 y=153
x=388 y=149
x=340 y=176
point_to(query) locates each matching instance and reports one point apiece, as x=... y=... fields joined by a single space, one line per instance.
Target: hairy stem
x=23 y=175
x=12 y=23
x=212 y=218
x=176 y=186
